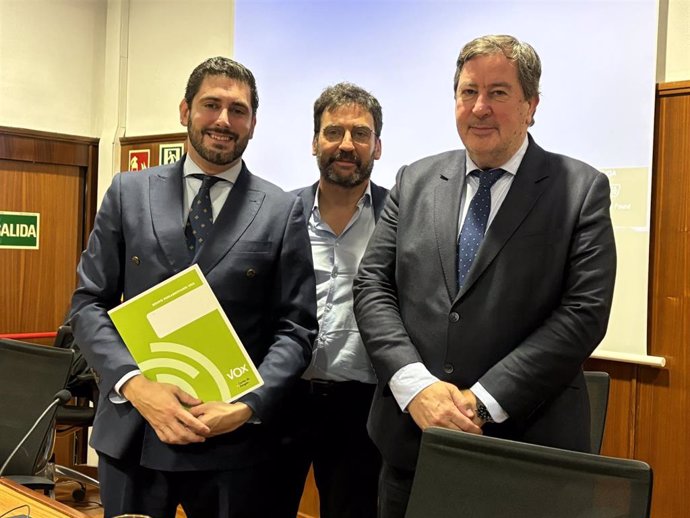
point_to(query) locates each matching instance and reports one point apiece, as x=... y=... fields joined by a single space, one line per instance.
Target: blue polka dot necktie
x=200 y=218
x=474 y=227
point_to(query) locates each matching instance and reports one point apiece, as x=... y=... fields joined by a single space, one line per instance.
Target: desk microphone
x=59 y=399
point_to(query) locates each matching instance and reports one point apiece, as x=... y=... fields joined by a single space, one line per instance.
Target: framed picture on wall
x=170 y=153
x=139 y=159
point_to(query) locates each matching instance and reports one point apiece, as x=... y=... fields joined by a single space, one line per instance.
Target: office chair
x=30 y=376
x=72 y=418
x=598 y=384
x=465 y=475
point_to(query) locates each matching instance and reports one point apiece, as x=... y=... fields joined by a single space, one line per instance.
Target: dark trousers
x=127 y=487
x=395 y=486
x=328 y=428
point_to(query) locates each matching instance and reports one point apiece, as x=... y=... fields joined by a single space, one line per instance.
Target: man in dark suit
x=328 y=426
x=158 y=446
x=488 y=280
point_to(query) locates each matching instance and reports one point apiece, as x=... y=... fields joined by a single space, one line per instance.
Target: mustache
x=222 y=131
x=345 y=156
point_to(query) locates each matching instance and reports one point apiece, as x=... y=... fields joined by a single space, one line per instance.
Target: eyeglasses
x=359 y=134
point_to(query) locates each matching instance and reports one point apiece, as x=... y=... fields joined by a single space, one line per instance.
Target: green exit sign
x=19 y=230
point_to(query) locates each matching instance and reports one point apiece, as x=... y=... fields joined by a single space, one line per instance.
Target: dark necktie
x=200 y=218
x=474 y=227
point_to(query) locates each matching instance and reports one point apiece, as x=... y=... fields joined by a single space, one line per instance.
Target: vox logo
x=237 y=372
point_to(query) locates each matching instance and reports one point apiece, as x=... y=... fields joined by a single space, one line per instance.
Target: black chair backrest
x=30 y=375
x=464 y=475
x=598 y=384
x=81 y=383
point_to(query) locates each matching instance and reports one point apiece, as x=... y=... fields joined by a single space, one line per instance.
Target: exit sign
x=19 y=230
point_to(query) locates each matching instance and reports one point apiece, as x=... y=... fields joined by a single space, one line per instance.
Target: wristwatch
x=483 y=412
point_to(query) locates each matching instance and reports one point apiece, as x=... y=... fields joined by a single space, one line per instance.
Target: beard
x=360 y=175
x=196 y=138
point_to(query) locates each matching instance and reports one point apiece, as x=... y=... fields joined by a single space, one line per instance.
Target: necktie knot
x=207 y=181
x=487 y=178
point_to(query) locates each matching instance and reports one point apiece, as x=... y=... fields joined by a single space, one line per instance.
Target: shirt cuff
x=115 y=396
x=409 y=381
x=497 y=413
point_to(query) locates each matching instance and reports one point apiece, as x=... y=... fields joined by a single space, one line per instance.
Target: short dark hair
x=220 y=66
x=344 y=94
x=522 y=54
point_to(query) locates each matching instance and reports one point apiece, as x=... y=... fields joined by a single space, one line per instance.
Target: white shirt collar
x=511 y=166
x=191 y=167
x=362 y=201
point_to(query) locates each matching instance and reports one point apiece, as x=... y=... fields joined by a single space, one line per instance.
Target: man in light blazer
x=158 y=446
x=488 y=280
x=332 y=401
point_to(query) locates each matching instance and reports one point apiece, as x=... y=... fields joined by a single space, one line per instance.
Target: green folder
x=178 y=333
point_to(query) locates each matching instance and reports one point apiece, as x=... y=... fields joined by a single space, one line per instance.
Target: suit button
x=453 y=317
x=136 y=260
x=448 y=368
x=251 y=273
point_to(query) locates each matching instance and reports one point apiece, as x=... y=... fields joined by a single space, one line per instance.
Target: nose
x=346 y=143
x=481 y=107
x=223 y=117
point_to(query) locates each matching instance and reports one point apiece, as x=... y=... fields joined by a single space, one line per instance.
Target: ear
x=532 y=108
x=184 y=112
x=377 y=148
x=315 y=145
x=251 y=130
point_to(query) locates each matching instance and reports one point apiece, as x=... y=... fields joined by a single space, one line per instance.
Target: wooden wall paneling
x=620 y=417
x=309 y=505
x=663 y=415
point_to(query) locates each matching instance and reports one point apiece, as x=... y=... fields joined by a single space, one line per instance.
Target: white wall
x=167 y=39
x=51 y=65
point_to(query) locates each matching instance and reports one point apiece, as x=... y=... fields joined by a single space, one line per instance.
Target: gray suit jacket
x=535 y=304
x=257 y=261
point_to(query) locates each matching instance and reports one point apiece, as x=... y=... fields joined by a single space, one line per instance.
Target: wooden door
x=37 y=284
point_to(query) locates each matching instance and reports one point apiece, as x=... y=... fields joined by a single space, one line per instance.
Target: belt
x=317 y=387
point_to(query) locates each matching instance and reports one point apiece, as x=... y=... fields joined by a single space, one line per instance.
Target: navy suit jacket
x=534 y=306
x=257 y=261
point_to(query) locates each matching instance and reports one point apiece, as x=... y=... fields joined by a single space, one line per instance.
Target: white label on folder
x=180 y=312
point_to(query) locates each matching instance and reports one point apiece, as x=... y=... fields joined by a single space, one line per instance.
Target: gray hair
x=522 y=54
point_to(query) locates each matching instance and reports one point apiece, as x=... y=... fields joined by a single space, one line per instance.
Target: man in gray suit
x=488 y=280
x=158 y=446
x=333 y=399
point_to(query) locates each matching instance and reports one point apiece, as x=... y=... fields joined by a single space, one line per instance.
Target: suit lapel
x=308 y=195
x=446 y=209
x=378 y=199
x=237 y=213
x=528 y=185
x=165 y=200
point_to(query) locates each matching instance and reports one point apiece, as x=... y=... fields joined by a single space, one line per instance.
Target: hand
x=443 y=404
x=222 y=417
x=472 y=400
x=163 y=407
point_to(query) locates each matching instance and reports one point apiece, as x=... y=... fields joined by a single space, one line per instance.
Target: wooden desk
x=40 y=506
